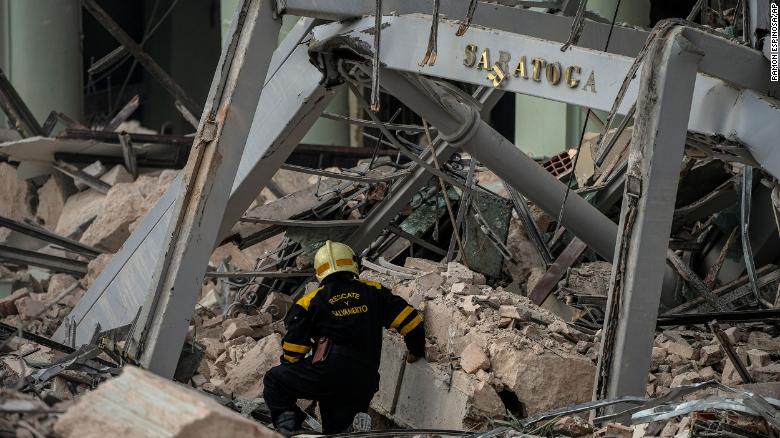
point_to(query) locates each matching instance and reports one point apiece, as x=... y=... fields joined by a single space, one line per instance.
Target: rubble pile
x=682 y=357
x=492 y=355
x=500 y=338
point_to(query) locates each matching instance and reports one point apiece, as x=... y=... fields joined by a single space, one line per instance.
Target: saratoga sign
x=534 y=69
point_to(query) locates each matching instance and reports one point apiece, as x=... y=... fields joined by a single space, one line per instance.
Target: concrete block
x=545 y=381
x=390 y=368
x=29 y=308
x=52 y=197
x=236 y=328
x=140 y=404
x=78 y=212
x=473 y=359
x=424 y=265
x=122 y=206
x=277 y=305
x=8 y=304
x=681 y=348
x=457 y=273
x=758 y=358
x=465 y=289
x=117 y=174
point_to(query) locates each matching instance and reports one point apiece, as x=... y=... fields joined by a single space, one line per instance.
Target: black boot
x=287 y=423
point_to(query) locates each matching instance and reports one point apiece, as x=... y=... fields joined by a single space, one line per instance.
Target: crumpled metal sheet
x=745 y=402
x=665 y=412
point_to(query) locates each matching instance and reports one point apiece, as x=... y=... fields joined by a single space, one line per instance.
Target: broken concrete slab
x=758 y=358
x=763 y=341
x=424 y=265
x=543 y=381
x=58 y=283
x=29 y=308
x=426 y=398
x=121 y=207
x=681 y=348
x=78 y=212
x=230 y=254
x=465 y=289
x=52 y=197
x=8 y=304
x=457 y=273
x=16 y=197
x=117 y=174
x=473 y=358
x=235 y=328
x=140 y=404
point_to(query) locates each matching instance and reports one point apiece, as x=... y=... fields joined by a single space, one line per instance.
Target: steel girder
x=381 y=216
x=197 y=212
x=291 y=100
x=660 y=129
x=459 y=125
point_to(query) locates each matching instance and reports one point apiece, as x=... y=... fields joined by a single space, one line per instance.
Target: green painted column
x=544 y=128
x=326 y=132
x=40 y=51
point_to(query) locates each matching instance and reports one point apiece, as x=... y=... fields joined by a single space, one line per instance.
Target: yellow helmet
x=334 y=257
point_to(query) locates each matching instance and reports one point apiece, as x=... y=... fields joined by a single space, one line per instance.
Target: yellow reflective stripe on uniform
x=305 y=301
x=401 y=317
x=371 y=283
x=296 y=348
x=291 y=359
x=412 y=324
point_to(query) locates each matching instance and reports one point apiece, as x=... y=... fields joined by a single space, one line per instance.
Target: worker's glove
x=410 y=358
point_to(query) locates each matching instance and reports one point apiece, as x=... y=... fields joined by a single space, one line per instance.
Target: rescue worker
x=341 y=323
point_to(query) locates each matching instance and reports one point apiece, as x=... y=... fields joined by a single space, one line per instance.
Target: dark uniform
x=351 y=313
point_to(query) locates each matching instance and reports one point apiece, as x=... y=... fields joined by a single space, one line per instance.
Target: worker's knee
x=270 y=382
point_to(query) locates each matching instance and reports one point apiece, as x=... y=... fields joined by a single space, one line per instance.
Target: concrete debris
x=424 y=265
x=117 y=174
x=236 y=328
x=541 y=372
x=230 y=254
x=94 y=269
x=52 y=197
x=122 y=206
x=16 y=197
x=121 y=408
x=494 y=350
x=8 y=304
x=682 y=357
x=473 y=359
x=245 y=375
x=572 y=426
x=78 y=212
x=277 y=305
x=28 y=307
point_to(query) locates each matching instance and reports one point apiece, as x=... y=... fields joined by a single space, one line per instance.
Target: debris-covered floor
x=494 y=358
x=525 y=315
